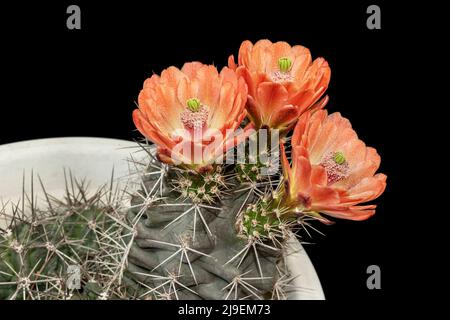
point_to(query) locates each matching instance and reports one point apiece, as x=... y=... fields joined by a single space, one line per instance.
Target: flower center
x=339 y=158
x=195 y=115
x=284 y=64
x=193 y=104
x=336 y=166
x=283 y=74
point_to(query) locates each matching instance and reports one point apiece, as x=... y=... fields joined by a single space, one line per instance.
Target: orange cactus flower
x=332 y=171
x=192 y=114
x=283 y=82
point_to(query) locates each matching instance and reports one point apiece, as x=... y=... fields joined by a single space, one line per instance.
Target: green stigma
x=339 y=157
x=284 y=64
x=193 y=104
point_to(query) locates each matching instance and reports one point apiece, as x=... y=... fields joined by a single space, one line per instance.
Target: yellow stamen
x=339 y=158
x=193 y=104
x=284 y=64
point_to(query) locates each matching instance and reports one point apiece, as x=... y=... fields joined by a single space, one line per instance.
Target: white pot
x=93 y=159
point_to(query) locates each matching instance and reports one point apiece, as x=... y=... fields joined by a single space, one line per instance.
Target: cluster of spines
x=201 y=188
x=264 y=220
x=37 y=247
x=102 y=273
x=274 y=225
x=254 y=169
x=197 y=191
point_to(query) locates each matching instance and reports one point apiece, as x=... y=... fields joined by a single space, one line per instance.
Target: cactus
x=185 y=235
x=212 y=235
x=38 y=246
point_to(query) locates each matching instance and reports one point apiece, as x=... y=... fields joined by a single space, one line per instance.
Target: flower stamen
x=195 y=115
x=336 y=166
x=193 y=104
x=283 y=74
x=284 y=64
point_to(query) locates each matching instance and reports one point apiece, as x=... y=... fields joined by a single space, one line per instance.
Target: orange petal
x=270 y=96
x=300 y=129
x=323 y=196
x=254 y=113
x=287 y=172
x=220 y=113
x=368 y=189
x=149 y=132
x=231 y=63
x=351 y=213
x=302 y=61
x=260 y=57
x=209 y=85
x=319 y=176
x=301 y=170
x=251 y=82
x=284 y=117
x=191 y=69
x=244 y=53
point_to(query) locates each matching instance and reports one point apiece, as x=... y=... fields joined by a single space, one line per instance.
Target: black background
x=59 y=82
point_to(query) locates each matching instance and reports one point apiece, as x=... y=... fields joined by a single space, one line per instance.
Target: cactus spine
x=39 y=246
x=214 y=235
x=219 y=234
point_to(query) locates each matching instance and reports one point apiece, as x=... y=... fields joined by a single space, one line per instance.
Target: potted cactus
x=244 y=160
